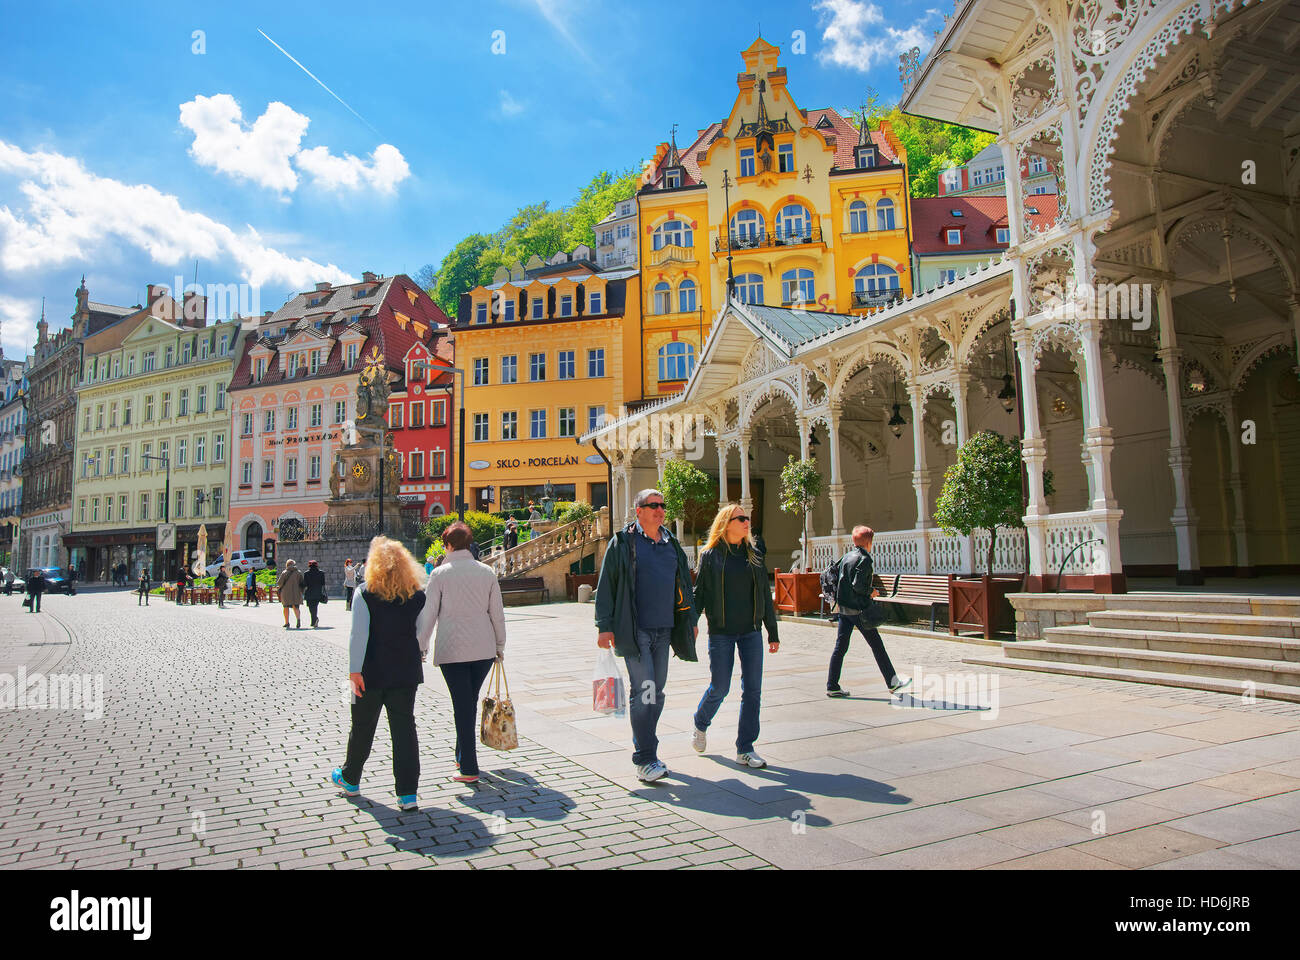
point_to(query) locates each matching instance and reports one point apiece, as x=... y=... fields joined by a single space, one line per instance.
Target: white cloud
x=260 y=153
x=387 y=168
x=510 y=107
x=18 y=325
x=849 y=42
x=268 y=152
x=72 y=214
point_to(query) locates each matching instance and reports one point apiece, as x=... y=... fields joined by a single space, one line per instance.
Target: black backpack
x=830 y=583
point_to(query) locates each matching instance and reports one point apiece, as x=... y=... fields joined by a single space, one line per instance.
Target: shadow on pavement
x=517 y=795
x=429 y=831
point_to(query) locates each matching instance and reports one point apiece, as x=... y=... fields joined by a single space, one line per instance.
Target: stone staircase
x=1222 y=642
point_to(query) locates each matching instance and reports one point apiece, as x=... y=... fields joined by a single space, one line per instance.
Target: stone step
x=1219 y=645
x=1182 y=622
x=1267 y=691
x=1159 y=661
x=1234 y=604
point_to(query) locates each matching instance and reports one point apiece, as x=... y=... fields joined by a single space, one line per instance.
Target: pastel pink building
x=293 y=395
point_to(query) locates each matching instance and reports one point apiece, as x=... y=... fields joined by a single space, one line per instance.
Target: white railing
x=549 y=546
x=1065 y=531
x=930 y=551
x=898 y=551
x=1009 y=552
x=826 y=550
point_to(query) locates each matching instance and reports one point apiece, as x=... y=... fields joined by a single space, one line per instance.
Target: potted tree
x=982 y=491
x=689 y=495
x=801 y=485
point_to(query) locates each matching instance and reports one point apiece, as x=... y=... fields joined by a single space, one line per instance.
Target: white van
x=241 y=561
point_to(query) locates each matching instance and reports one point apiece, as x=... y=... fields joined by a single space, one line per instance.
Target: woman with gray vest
x=385 y=670
x=463 y=599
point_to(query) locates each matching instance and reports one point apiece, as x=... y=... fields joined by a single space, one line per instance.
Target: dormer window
x=957 y=213
x=538 y=308
x=864 y=157
x=508 y=310
x=1004 y=235
x=261 y=369
x=480 y=313
x=352 y=355
x=593 y=302
x=566 y=305
x=954 y=237
x=673 y=177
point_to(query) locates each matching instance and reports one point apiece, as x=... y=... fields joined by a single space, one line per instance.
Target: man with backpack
x=849 y=581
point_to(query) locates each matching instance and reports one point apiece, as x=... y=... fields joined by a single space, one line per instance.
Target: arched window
x=663 y=297
x=885 y=214
x=749 y=288
x=793 y=224
x=675 y=233
x=686 y=297
x=859 y=217
x=676 y=360
x=748 y=229
x=874 y=281
x=797 y=287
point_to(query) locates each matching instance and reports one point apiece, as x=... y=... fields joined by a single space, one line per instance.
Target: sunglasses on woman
x=741 y=517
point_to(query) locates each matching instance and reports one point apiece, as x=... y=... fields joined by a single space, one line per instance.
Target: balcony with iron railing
x=872 y=300
x=781 y=237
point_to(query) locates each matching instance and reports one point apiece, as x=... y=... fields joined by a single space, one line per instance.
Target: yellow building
x=798 y=205
x=545 y=351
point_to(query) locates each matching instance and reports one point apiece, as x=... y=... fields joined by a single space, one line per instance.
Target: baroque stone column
x=1107 y=574
x=746 y=502
x=836 y=489
x=1184 y=517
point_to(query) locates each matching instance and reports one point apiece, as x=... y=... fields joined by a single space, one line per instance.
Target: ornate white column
x=1180 y=454
x=1034 y=451
x=1237 y=484
x=1101 y=444
x=836 y=489
x=920 y=477
x=960 y=391
x=722 y=470
x=803 y=436
x=746 y=502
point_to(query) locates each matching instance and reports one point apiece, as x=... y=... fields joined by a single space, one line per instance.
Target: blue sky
x=130 y=145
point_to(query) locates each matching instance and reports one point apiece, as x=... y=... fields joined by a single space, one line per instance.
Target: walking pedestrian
x=511 y=537
x=385 y=667
x=290 y=586
x=313 y=582
x=9 y=582
x=644 y=606
x=349 y=582
x=731 y=590
x=35 y=587
x=143 y=589
x=250 y=588
x=180 y=587
x=219 y=582
x=463 y=600
x=856 y=598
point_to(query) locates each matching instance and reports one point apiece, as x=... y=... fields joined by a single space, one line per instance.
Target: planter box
x=980 y=603
x=798 y=593
x=574 y=580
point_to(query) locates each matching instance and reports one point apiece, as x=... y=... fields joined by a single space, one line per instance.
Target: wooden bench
x=918 y=590
x=520 y=585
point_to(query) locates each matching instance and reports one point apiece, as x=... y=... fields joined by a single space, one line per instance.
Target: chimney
x=368 y=277
x=323 y=285
x=195 y=311
x=156 y=290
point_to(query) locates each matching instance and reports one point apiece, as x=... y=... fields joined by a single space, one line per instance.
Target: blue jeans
x=647 y=675
x=722 y=658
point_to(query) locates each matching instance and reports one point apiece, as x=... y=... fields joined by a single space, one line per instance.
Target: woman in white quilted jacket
x=470 y=622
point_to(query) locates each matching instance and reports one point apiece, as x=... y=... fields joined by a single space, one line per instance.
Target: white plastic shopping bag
x=608 y=694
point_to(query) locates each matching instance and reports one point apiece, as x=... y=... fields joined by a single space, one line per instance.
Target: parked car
x=241 y=561
x=57 y=580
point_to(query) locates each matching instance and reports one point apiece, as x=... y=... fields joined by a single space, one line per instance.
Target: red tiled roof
x=932 y=217
x=378 y=323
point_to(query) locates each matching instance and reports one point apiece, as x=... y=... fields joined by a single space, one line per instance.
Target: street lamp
x=460 y=435
x=167 y=487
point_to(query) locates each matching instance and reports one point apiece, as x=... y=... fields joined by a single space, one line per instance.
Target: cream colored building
x=153 y=388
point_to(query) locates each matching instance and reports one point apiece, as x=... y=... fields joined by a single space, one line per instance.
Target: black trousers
x=36 y=603
x=464 y=680
x=142 y=597
x=842 y=637
x=311 y=608
x=348 y=591
x=400 y=704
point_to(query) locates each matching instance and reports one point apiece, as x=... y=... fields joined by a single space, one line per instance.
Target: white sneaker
x=899 y=685
x=650 y=772
x=751 y=760
x=700 y=740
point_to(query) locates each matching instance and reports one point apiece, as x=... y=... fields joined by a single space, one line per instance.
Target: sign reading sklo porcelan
x=508 y=463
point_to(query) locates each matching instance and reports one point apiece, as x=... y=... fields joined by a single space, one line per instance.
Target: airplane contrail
x=318 y=80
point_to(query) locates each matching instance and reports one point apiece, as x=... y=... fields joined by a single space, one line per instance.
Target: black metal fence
x=357 y=527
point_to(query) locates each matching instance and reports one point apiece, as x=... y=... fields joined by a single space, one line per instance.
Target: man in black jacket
x=644 y=607
x=313 y=584
x=858 y=608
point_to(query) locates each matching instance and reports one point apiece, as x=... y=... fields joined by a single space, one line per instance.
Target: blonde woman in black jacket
x=731 y=591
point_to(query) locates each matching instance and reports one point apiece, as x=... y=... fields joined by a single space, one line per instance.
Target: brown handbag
x=497 y=728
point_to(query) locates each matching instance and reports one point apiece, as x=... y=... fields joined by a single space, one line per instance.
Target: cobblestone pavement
x=219 y=728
